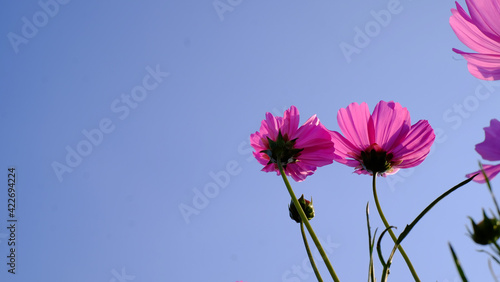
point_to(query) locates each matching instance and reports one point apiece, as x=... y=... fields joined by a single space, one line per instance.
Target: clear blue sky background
x=202 y=82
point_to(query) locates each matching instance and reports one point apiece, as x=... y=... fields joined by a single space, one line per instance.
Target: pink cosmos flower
x=301 y=150
x=489 y=149
x=383 y=142
x=481 y=32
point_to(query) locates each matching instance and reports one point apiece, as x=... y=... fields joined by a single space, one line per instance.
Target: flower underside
x=375 y=160
x=282 y=150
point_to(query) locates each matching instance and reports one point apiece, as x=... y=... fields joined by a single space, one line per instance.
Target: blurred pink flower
x=382 y=142
x=481 y=32
x=307 y=147
x=489 y=149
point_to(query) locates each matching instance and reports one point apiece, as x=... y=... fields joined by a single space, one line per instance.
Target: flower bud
x=487 y=231
x=307 y=207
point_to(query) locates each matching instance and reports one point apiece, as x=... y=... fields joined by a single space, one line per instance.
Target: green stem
x=393 y=236
x=308 y=225
x=311 y=259
x=429 y=207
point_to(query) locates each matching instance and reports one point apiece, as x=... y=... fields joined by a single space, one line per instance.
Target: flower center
x=282 y=150
x=376 y=160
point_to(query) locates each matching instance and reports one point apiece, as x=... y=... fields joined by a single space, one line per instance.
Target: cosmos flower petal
x=486 y=15
x=291 y=120
x=299 y=171
x=391 y=123
x=482 y=66
x=489 y=149
x=471 y=35
x=481 y=32
x=416 y=146
x=345 y=150
x=311 y=130
x=353 y=122
x=490 y=170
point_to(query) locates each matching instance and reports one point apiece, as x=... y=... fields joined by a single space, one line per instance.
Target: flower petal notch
x=300 y=149
x=480 y=32
x=489 y=150
x=382 y=142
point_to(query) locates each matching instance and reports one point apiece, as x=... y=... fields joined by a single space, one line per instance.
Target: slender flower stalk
x=307 y=224
x=393 y=236
x=309 y=254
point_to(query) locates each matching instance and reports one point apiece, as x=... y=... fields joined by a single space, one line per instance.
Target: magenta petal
x=311 y=129
x=482 y=66
x=490 y=170
x=485 y=15
x=353 y=122
x=416 y=146
x=300 y=171
x=481 y=32
x=345 y=151
x=291 y=120
x=471 y=35
x=489 y=149
x=391 y=122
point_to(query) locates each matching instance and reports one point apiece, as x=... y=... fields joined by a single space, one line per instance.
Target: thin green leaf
x=457 y=264
x=489 y=188
x=371 y=270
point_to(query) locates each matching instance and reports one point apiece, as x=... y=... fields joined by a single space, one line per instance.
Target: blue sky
x=117 y=115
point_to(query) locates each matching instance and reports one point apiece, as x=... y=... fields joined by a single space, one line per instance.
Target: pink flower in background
x=382 y=142
x=481 y=32
x=489 y=149
x=301 y=150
